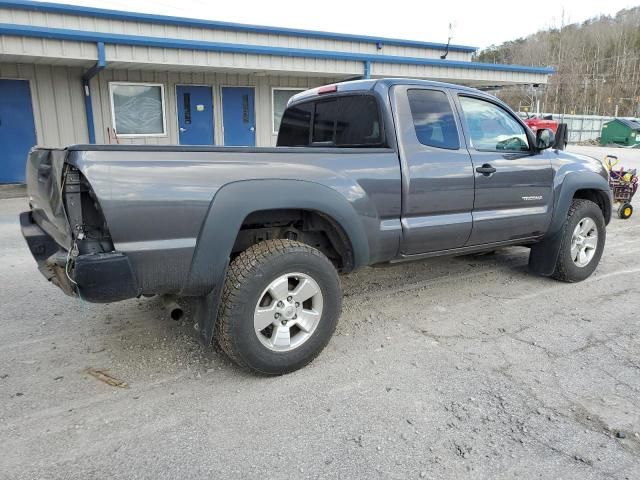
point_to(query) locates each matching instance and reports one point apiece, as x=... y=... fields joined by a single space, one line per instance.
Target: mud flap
x=544 y=255
x=207 y=308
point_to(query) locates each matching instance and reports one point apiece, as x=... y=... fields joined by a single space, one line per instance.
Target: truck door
x=437 y=174
x=513 y=181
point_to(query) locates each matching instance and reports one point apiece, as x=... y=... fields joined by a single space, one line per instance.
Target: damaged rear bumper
x=98 y=277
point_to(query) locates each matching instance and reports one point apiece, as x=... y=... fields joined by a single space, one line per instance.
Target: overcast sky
x=476 y=23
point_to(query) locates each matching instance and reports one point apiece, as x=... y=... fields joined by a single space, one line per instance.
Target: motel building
x=72 y=74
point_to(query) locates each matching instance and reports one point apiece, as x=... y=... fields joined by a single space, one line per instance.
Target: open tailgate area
x=44 y=176
x=67 y=234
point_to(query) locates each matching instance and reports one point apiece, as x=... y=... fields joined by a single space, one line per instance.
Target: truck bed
x=154 y=199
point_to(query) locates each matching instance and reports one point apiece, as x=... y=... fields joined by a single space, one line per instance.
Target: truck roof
x=370 y=84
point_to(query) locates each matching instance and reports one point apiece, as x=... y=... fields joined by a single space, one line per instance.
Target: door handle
x=252 y=129
x=486 y=169
x=182 y=130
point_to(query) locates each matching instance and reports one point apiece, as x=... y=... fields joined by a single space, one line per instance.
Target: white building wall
x=58 y=101
x=58 y=96
x=39 y=50
x=158 y=59
x=263 y=101
x=88 y=23
x=119 y=56
x=46 y=48
x=54 y=69
x=468 y=76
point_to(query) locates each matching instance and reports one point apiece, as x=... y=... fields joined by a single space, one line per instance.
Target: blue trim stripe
x=88 y=112
x=239 y=27
x=159 y=42
x=100 y=64
x=88 y=75
x=367 y=69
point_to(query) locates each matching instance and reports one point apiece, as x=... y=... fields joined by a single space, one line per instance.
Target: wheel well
x=307 y=226
x=599 y=198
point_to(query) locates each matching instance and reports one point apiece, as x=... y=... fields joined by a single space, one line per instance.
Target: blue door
x=195 y=115
x=17 y=130
x=239 y=116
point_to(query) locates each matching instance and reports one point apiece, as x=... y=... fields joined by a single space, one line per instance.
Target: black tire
x=625 y=211
x=566 y=270
x=248 y=276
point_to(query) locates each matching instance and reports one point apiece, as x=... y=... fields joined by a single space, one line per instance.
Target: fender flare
x=544 y=254
x=230 y=206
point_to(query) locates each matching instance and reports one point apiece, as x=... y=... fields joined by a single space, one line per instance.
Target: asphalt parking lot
x=461 y=367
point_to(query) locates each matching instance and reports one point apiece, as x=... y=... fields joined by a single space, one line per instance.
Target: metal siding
x=459 y=75
x=58 y=104
x=87 y=23
x=102 y=105
x=262 y=85
x=251 y=62
x=62 y=120
x=38 y=47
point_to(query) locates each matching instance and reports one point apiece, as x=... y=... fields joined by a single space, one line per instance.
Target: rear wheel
x=583 y=240
x=280 y=306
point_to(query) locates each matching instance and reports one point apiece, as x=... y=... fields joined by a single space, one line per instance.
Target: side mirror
x=545 y=138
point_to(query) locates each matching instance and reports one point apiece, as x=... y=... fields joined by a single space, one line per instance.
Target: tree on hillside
x=597 y=66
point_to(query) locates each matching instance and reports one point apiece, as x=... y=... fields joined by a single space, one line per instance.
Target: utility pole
x=595 y=108
x=555 y=97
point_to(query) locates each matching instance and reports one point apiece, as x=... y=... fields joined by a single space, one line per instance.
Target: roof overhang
x=211 y=24
x=257 y=50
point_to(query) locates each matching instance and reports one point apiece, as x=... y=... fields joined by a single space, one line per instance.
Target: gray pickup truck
x=365 y=172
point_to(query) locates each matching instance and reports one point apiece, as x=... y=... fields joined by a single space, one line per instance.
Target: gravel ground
x=461 y=367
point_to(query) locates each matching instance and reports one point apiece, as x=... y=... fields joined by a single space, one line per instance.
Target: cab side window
x=491 y=127
x=433 y=119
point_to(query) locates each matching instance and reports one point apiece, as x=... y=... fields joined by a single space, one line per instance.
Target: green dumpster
x=620 y=131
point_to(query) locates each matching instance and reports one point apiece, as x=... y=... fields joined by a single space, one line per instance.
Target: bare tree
x=597 y=65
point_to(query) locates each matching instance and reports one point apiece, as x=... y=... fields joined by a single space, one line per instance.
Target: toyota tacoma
x=364 y=172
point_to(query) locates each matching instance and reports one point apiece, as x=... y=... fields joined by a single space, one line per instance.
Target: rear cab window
x=294 y=126
x=433 y=118
x=340 y=121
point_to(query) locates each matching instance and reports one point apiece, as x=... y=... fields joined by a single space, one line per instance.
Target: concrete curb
x=13 y=190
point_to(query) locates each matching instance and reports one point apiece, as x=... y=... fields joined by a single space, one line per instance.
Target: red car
x=535 y=123
x=562 y=134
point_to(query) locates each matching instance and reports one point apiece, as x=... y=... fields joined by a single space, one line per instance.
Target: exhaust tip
x=176 y=313
x=173 y=308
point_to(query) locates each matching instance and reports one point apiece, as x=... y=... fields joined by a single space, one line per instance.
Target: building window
x=280 y=97
x=137 y=109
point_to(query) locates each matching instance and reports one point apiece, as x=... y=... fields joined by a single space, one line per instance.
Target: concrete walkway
x=12 y=190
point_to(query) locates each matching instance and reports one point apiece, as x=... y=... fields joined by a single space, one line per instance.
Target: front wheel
x=280 y=306
x=583 y=240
